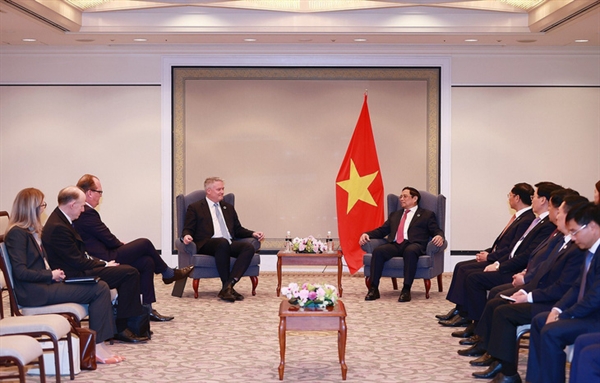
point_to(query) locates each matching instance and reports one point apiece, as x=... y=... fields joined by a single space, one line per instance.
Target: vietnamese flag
x=359 y=191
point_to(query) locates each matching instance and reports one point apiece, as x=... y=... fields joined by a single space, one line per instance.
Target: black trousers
x=457 y=291
x=409 y=251
x=222 y=250
x=142 y=255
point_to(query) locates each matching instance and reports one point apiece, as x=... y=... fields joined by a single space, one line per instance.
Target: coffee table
x=308 y=259
x=293 y=318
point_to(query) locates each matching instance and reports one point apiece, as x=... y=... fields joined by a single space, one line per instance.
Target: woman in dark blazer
x=36 y=284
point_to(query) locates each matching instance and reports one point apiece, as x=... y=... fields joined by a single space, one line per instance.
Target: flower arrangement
x=308 y=245
x=311 y=296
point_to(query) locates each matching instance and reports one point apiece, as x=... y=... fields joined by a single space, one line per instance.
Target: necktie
x=224 y=231
x=533 y=224
x=588 y=261
x=400 y=232
x=510 y=221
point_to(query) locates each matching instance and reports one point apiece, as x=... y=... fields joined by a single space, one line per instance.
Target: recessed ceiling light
x=526 y=41
x=582 y=41
x=85 y=40
x=249 y=40
x=27 y=40
x=360 y=40
x=471 y=40
x=140 y=40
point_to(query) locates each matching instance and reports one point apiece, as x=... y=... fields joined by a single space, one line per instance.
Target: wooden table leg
x=342 y=347
x=281 y=347
x=340 y=289
x=278 y=276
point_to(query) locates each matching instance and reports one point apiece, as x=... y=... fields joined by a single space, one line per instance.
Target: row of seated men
x=74 y=242
x=543 y=269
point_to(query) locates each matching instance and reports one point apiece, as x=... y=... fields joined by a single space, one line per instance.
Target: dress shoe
x=456 y=321
x=372 y=294
x=226 y=293
x=474 y=350
x=491 y=371
x=238 y=296
x=466 y=333
x=448 y=315
x=404 y=296
x=129 y=337
x=156 y=317
x=483 y=361
x=179 y=274
x=501 y=378
x=469 y=341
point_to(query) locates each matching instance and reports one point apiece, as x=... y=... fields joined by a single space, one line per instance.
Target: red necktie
x=400 y=232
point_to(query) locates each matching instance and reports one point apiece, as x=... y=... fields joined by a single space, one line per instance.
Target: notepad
x=90 y=279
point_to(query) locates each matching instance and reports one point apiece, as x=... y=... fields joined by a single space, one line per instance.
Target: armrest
x=184 y=252
x=433 y=249
x=370 y=246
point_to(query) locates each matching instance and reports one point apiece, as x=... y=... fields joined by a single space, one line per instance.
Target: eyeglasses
x=43 y=205
x=575 y=232
x=97 y=191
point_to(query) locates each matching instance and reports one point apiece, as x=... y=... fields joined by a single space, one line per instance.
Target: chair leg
x=427 y=287
x=368 y=282
x=440 y=286
x=42 y=369
x=254 y=281
x=395 y=283
x=195 y=286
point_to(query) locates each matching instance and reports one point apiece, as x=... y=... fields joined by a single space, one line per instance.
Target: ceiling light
x=582 y=41
x=526 y=41
x=249 y=40
x=360 y=40
x=85 y=4
x=140 y=40
x=27 y=40
x=471 y=40
x=523 y=4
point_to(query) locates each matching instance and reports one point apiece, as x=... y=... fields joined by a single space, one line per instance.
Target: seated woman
x=36 y=285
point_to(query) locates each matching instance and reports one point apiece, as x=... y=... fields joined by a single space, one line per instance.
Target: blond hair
x=211 y=180
x=26 y=210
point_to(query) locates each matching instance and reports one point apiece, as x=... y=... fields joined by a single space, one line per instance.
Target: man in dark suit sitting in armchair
x=212 y=224
x=408 y=232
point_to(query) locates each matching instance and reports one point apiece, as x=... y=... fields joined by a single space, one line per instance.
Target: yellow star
x=358 y=187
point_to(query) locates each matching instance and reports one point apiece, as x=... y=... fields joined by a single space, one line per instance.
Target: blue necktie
x=588 y=261
x=224 y=231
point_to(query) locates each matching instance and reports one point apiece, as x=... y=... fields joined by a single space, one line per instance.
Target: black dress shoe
x=474 y=350
x=372 y=294
x=179 y=274
x=156 y=317
x=129 y=337
x=238 y=296
x=448 y=315
x=469 y=341
x=226 y=293
x=500 y=378
x=483 y=361
x=457 y=321
x=404 y=296
x=491 y=371
x=466 y=333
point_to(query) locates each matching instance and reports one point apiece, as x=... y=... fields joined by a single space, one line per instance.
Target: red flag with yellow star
x=359 y=191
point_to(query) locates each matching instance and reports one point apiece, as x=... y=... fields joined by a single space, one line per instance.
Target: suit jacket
x=98 y=239
x=590 y=304
x=423 y=226
x=31 y=279
x=519 y=261
x=506 y=241
x=555 y=276
x=198 y=222
x=65 y=248
x=536 y=258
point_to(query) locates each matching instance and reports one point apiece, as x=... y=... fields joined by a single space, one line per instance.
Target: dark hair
x=413 y=192
x=598 y=186
x=87 y=182
x=558 y=196
x=544 y=189
x=573 y=200
x=584 y=213
x=524 y=191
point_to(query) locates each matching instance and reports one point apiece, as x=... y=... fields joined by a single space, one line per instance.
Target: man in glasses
x=140 y=253
x=577 y=312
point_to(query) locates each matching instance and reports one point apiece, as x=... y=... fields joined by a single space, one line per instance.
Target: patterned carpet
x=214 y=341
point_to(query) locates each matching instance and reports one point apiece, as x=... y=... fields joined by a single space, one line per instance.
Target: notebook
x=90 y=279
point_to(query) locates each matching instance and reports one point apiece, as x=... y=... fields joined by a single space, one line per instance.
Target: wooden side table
x=307 y=259
x=293 y=318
